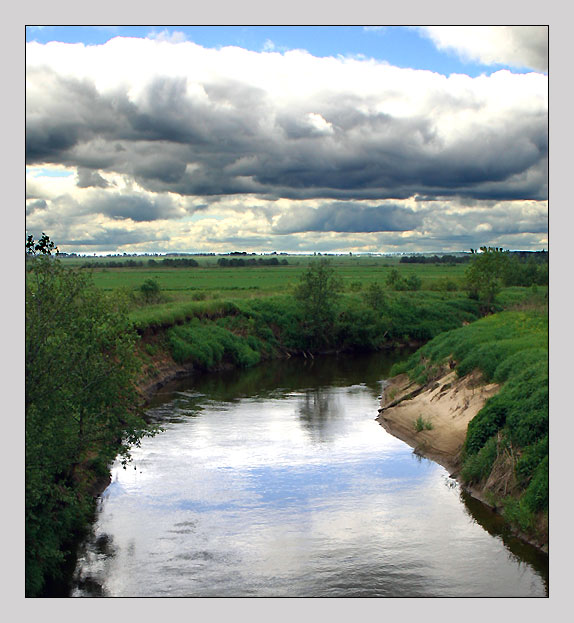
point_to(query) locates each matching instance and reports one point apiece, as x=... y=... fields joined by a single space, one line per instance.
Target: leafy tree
x=43 y=246
x=79 y=404
x=318 y=292
x=484 y=276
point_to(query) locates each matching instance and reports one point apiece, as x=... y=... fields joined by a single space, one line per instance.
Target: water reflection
x=283 y=484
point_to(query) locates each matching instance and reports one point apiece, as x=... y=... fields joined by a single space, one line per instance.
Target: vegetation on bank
x=506 y=447
x=80 y=399
x=247 y=331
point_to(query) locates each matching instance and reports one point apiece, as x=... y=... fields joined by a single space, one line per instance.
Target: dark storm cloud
x=135 y=207
x=33 y=206
x=347 y=217
x=111 y=238
x=226 y=137
x=90 y=179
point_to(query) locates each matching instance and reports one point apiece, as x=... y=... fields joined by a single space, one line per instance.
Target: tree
x=80 y=404
x=318 y=292
x=484 y=276
x=44 y=246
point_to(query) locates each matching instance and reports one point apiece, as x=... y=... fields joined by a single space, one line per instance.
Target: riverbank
x=447 y=404
x=444 y=407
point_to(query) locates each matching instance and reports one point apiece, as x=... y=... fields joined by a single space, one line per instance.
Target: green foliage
x=478 y=466
x=150 y=291
x=80 y=397
x=413 y=282
x=510 y=348
x=522 y=511
x=393 y=279
x=484 y=276
x=444 y=284
x=317 y=293
x=208 y=345
x=396 y=281
x=536 y=496
x=423 y=424
x=530 y=459
x=374 y=296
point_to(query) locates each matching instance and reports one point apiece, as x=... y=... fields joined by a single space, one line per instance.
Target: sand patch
x=448 y=404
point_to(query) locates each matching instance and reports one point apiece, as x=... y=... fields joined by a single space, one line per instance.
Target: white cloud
x=152 y=130
x=171 y=37
x=516 y=46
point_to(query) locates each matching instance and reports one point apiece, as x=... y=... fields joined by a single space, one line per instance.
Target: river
x=276 y=481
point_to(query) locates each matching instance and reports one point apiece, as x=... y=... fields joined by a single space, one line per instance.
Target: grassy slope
x=506 y=449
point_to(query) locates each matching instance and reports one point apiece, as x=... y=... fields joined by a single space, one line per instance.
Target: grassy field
x=249 y=281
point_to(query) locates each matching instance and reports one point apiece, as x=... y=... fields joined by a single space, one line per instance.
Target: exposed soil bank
x=448 y=404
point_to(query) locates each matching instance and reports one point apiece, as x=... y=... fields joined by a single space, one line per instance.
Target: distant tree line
x=272 y=261
x=538 y=257
x=434 y=259
x=167 y=263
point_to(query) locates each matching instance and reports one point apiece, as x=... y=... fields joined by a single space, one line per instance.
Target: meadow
x=213 y=281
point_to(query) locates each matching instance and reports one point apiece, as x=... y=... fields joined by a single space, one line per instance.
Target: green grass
x=423 y=424
x=262 y=279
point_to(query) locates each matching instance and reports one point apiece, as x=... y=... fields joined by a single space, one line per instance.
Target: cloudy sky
x=299 y=139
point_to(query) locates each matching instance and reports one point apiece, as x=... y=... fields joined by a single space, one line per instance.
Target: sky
x=294 y=139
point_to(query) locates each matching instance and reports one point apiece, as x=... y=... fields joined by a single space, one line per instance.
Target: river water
x=277 y=481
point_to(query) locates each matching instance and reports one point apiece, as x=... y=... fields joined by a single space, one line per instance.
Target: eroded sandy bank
x=448 y=404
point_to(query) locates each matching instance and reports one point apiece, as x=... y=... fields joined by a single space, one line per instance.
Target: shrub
x=81 y=369
x=374 y=296
x=150 y=291
x=413 y=283
x=423 y=424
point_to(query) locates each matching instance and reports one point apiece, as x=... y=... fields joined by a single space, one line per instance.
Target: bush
x=150 y=291
x=413 y=283
x=374 y=296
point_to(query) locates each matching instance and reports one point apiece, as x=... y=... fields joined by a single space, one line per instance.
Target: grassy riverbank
x=245 y=332
x=505 y=453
